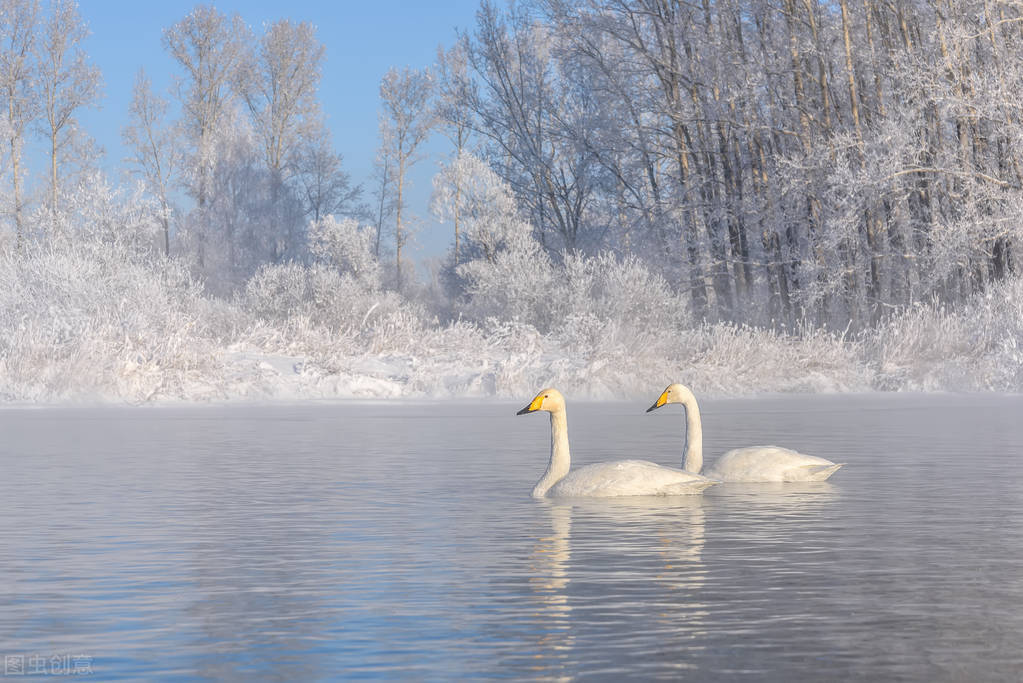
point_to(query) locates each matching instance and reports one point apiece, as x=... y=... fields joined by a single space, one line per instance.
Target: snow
x=103 y=320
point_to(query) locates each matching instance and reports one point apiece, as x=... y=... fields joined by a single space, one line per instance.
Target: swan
x=618 y=478
x=750 y=464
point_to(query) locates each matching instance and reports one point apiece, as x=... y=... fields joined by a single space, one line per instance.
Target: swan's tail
x=821 y=472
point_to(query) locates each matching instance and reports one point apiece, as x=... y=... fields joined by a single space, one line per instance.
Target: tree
x=68 y=83
x=279 y=86
x=247 y=230
x=18 y=22
x=326 y=189
x=383 y=193
x=454 y=117
x=211 y=48
x=405 y=126
x=155 y=152
x=468 y=187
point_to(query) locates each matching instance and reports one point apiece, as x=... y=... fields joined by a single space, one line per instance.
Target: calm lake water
x=313 y=542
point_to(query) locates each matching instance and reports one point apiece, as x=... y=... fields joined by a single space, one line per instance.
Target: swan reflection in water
x=638 y=563
x=633 y=559
x=776 y=501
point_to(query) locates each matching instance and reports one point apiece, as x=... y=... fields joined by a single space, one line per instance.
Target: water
x=399 y=540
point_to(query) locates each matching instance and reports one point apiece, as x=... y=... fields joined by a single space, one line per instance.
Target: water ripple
x=385 y=540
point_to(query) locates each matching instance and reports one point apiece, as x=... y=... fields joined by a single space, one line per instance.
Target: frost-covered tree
x=798 y=162
x=529 y=113
x=239 y=229
x=279 y=85
x=406 y=124
x=68 y=83
x=153 y=143
x=383 y=190
x=469 y=188
x=454 y=118
x=505 y=272
x=18 y=78
x=211 y=49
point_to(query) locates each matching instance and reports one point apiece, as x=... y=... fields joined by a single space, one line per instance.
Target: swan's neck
x=557 y=468
x=692 y=459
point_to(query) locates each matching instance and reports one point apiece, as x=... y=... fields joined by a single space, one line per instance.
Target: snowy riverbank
x=100 y=323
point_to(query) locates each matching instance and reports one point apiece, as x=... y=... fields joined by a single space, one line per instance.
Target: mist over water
x=398 y=539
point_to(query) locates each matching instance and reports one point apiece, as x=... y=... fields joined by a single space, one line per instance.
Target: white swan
x=750 y=464
x=618 y=478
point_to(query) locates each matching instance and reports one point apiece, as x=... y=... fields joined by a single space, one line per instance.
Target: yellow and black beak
x=661 y=400
x=533 y=406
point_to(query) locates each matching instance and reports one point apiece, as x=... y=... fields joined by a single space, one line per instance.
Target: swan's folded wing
x=629 y=478
x=770 y=463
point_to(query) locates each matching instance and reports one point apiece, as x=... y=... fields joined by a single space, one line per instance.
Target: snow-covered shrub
x=93 y=320
x=94 y=213
x=604 y=301
x=319 y=297
x=517 y=285
x=277 y=291
x=346 y=246
x=977 y=347
x=730 y=359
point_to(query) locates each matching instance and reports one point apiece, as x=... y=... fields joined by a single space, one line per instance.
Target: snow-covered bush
x=977 y=347
x=97 y=320
x=517 y=285
x=94 y=213
x=318 y=297
x=604 y=301
x=729 y=359
x=346 y=246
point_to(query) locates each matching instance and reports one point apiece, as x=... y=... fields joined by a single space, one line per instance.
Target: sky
x=363 y=40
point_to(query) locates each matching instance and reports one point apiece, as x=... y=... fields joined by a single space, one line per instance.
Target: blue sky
x=363 y=39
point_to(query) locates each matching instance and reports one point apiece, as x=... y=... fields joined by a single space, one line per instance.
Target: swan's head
x=675 y=393
x=550 y=399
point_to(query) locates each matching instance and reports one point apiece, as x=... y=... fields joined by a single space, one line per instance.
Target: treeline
x=784 y=164
x=236 y=156
x=779 y=162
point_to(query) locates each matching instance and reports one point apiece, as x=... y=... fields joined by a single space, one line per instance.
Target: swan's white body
x=751 y=464
x=606 y=479
x=627 y=478
x=770 y=463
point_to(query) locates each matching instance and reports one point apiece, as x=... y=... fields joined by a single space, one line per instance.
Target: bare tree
x=155 y=153
x=326 y=189
x=405 y=126
x=18 y=23
x=68 y=83
x=383 y=192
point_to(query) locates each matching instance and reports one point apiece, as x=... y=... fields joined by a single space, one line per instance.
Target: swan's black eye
x=546 y=396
